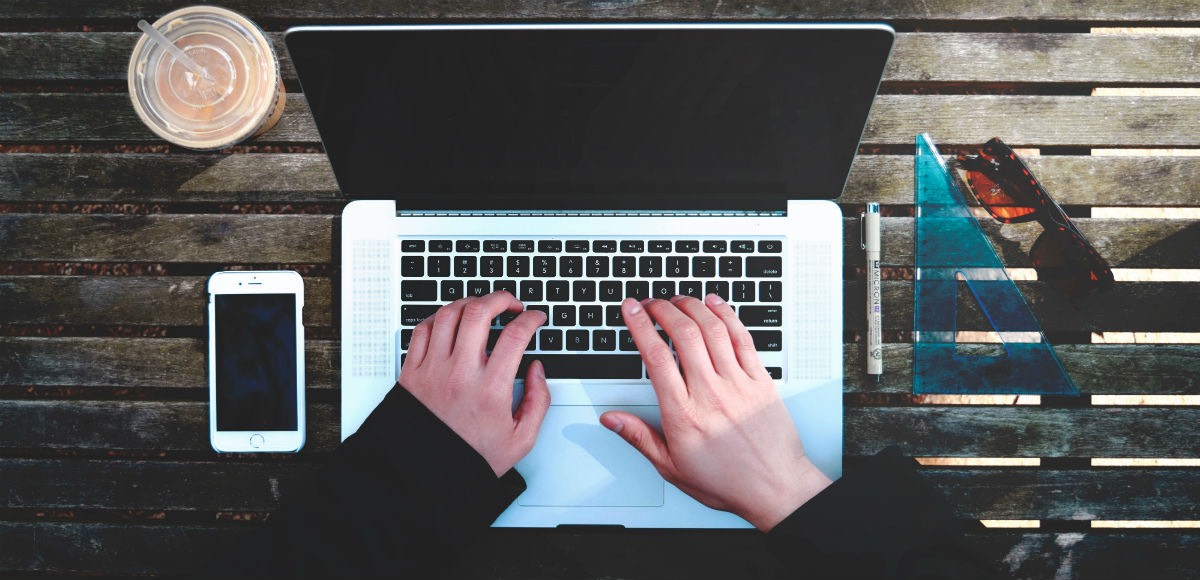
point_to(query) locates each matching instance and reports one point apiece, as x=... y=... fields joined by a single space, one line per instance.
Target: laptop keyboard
x=580 y=283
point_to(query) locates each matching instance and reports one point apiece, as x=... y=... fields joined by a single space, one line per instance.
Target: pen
x=870 y=243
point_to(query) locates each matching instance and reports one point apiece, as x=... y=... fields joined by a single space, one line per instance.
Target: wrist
x=803 y=484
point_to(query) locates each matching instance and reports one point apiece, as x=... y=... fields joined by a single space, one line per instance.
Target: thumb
x=534 y=404
x=642 y=437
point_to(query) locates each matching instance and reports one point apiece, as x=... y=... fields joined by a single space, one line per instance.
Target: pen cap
x=871 y=228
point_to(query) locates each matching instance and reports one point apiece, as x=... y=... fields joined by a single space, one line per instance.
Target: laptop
x=574 y=165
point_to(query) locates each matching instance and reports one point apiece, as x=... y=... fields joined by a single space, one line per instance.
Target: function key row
x=594 y=246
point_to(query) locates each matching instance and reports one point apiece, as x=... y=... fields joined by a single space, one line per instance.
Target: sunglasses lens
x=1065 y=261
x=996 y=200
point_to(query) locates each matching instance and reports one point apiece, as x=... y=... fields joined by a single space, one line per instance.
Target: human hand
x=448 y=370
x=728 y=440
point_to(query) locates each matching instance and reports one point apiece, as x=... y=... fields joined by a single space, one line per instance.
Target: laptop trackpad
x=578 y=462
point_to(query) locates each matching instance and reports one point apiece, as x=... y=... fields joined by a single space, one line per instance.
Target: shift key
x=767 y=340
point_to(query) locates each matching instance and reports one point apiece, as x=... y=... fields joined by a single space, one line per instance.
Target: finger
x=476 y=321
x=533 y=407
x=743 y=343
x=660 y=363
x=418 y=345
x=445 y=329
x=506 y=355
x=642 y=437
x=686 y=336
x=715 y=333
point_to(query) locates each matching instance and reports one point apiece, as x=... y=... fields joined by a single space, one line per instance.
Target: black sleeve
x=399 y=497
x=881 y=520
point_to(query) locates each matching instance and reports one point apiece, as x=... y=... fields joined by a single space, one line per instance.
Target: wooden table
x=108 y=236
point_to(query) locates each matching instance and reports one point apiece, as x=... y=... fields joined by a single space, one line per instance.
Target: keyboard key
x=731 y=267
x=690 y=288
x=564 y=316
x=767 y=340
x=705 y=267
x=578 y=246
x=650 y=266
x=506 y=317
x=570 y=266
x=714 y=246
x=466 y=246
x=451 y=290
x=418 y=290
x=775 y=372
x=761 y=315
x=604 y=246
x=439 y=266
x=509 y=286
x=522 y=245
x=761 y=267
x=518 y=267
x=413 y=314
x=743 y=291
x=584 y=291
x=491 y=266
x=660 y=246
x=558 y=291
x=495 y=246
x=624 y=266
x=611 y=291
x=612 y=316
x=720 y=288
x=633 y=246
x=405 y=338
x=597 y=266
x=770 y=246
x=441 y=246
x=625 y=341
x=531 y=291
x=493 y=338
x=663 y=290
x=412 y=246
x=544 y=266
x=585 y=366
x=412 y=266
x=677 y=267
x=638 y=290
x=742 y=246
x=604 y=340
x=591 y=316
x=549 y=246
x=551 y=339
x=770 y=291
x=464 y=266
x=577 y=340
x=687 y=246
x=544 y=309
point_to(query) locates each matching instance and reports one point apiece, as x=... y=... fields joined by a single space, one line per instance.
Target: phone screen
x=256 y=362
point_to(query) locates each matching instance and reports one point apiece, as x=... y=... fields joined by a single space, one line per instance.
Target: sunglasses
x=1006 y=188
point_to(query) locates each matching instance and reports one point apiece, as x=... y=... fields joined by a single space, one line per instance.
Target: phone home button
x=256 y=441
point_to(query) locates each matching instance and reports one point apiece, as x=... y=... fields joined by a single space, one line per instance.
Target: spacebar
x=586 y=366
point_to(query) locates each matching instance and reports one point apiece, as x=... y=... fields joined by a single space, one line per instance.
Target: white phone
x=256 y=361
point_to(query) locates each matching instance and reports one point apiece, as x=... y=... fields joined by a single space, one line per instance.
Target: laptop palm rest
x=577 y=462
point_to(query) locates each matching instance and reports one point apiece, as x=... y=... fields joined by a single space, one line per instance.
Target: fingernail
x=635 y=307
x=676 y=298
x=541 y=370
x=714 y=299
x=615 y=425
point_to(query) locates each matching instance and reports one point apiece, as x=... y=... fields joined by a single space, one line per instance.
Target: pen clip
x=862 y=229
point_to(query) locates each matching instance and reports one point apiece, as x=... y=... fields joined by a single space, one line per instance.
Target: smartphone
x=256 y=361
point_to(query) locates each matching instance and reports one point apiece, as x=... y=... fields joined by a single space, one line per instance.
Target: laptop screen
x=590 y=117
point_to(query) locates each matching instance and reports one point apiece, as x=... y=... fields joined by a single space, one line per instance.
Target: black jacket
x=404 y=494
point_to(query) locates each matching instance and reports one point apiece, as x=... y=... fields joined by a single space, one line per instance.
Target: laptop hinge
x=590 y=213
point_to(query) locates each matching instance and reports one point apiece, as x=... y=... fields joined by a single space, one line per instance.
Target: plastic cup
x=242 y=96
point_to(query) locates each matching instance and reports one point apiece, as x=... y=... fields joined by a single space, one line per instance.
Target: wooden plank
x=917 y=58
x=1167 y=11
x=139 y=300
x=1098 y=369
x=954 y=431
x=208 y=239
x=307 y=178
x=133 y=362
x=1024 y=121
x=976 y=493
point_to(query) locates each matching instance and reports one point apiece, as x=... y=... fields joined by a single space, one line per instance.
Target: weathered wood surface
x=925 y=430
x=1166 y=11
x=1024 y=120
x=174 y=363
x=307 y=178
x=917 y=58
